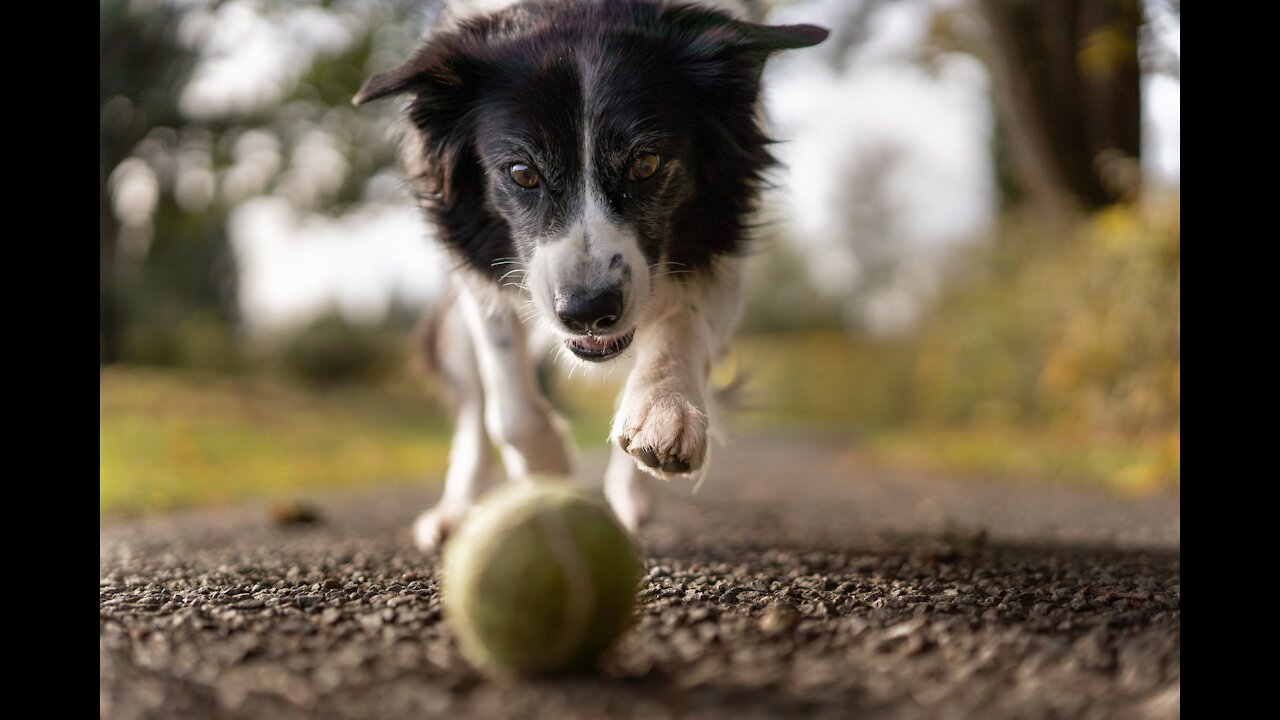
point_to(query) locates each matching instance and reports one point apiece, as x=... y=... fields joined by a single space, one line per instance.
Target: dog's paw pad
x=676 y=466
x=646 y=456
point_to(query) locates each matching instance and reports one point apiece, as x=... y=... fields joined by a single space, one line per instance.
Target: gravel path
x=796 y=583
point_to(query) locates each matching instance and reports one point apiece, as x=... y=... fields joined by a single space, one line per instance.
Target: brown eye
x=524 y=175
x=645 y=166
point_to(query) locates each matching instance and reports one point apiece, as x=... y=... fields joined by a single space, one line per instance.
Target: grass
x=1127 y=467
x=799 y=382
x=172 y=439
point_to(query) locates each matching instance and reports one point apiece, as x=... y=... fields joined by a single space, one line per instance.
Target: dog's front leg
x=662 y=419
x=662 y=416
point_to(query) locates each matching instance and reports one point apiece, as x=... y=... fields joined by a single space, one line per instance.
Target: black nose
x=589 y=311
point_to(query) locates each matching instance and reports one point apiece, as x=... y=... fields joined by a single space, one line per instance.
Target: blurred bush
x=201 y=340
x=1076 y=331
x=1054 y=350
x=332 y=351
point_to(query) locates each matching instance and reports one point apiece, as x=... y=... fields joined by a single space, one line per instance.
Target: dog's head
x=583 y=151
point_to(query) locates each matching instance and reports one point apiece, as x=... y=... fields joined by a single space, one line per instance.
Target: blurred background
x=971 y=263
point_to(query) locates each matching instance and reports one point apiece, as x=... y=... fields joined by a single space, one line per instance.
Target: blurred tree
x=1068 y=74
x=173 y=170
x=142 y=67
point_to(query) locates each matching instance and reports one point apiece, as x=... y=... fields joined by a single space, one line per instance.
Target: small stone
x=779 y=618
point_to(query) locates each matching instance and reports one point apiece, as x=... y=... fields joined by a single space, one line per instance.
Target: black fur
x=525 y=84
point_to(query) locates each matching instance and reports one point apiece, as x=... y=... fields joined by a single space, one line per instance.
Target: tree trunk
x=1069 y=72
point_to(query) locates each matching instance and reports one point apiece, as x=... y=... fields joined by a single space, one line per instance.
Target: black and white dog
x=592 y=166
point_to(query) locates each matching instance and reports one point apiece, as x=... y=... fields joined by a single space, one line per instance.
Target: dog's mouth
x=598 y=349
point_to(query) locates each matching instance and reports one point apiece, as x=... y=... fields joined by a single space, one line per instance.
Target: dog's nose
x=589 y=311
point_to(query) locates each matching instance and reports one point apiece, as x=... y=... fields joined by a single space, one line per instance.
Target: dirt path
x=794 y=584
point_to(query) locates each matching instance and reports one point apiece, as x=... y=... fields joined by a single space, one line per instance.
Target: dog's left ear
x=771 y=38
x=712 y=30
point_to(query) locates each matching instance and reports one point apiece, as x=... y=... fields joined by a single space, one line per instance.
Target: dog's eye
x=524 y=175
x=645 y=166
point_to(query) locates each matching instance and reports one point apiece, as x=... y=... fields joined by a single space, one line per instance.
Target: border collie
x=592 y=167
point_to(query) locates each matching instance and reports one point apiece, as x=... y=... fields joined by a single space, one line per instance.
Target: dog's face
x=584 y=152
x=587 y=181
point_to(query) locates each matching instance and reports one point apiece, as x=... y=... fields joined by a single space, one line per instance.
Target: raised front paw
x=663 y=431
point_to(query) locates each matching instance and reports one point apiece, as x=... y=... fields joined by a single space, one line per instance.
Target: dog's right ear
x=387 y=82
x=441 y=79
x=434 y=68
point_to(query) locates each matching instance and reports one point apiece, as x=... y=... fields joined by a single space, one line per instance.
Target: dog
x=592 y=168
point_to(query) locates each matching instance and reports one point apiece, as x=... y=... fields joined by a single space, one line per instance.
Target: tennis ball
x=539 y=578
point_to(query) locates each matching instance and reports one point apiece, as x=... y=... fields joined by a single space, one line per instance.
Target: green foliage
x=820 y=378
x=332 y=352
x=1076 y=332
x=1054 y=352
x=200 y=340
x=176 y=263
x=781 y=294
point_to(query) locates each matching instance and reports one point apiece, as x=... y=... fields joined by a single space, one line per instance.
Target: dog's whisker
x=508 y=261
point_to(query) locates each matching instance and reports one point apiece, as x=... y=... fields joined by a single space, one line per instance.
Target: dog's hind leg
x=448 y=347
x=626 y=490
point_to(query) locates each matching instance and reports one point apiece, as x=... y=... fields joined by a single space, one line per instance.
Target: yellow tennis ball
x=540 y=578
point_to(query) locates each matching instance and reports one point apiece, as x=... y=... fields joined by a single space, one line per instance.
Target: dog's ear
x=720 y=61
x=437 y=67
x=712 y=30
x=380 y=85
x=442 y=79
x=783 y=37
